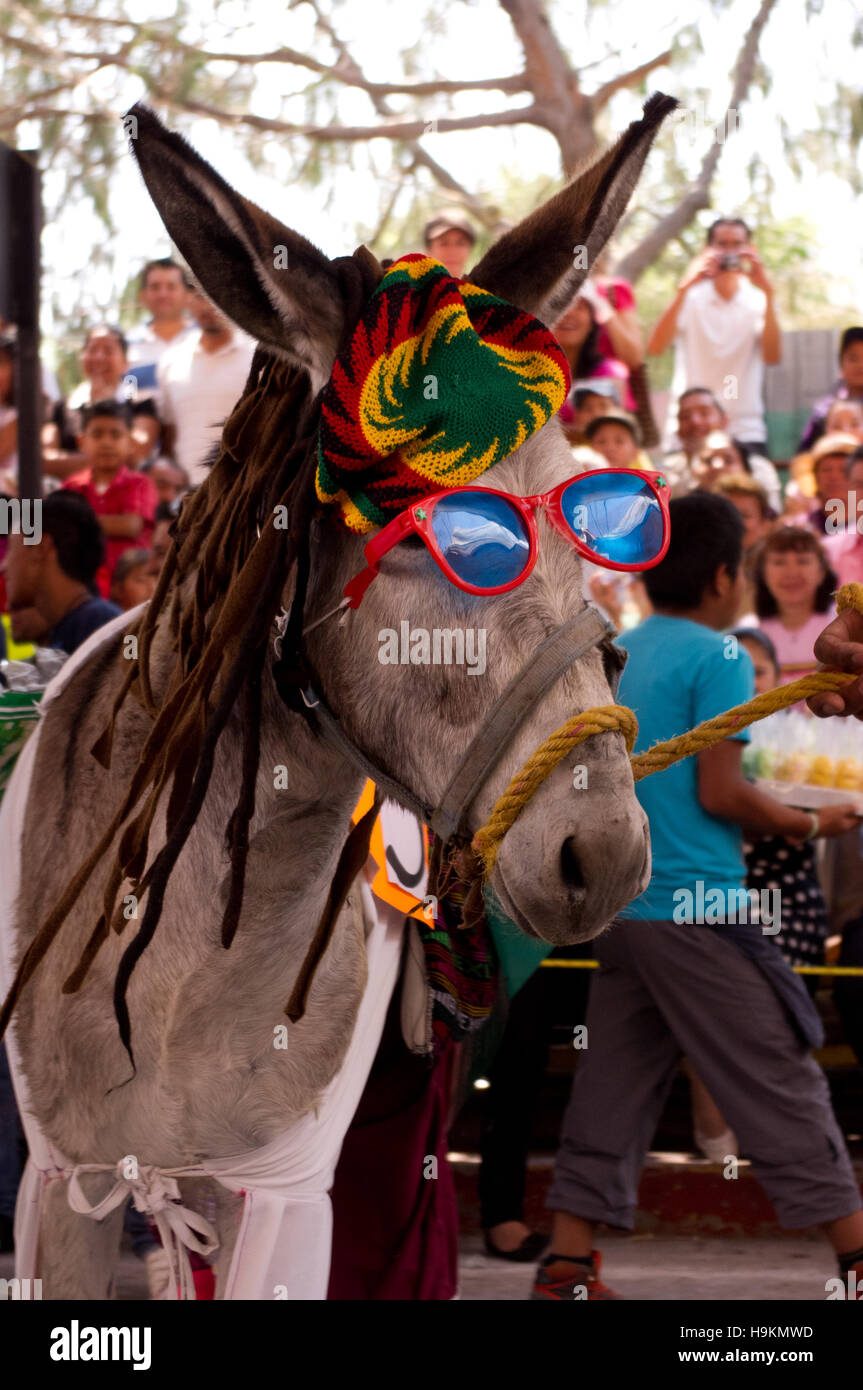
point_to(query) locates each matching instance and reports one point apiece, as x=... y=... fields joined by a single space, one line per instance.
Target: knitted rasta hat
x=439 y=380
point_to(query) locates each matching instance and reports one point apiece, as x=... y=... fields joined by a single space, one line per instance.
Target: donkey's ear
x=269 y=280
x=542 y=262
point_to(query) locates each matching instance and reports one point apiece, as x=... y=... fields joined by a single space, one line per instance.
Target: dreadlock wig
x=220 y=590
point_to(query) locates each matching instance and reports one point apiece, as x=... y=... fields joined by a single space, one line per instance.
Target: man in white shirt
x=724 y=326
x=164 y=294
x=199 y=382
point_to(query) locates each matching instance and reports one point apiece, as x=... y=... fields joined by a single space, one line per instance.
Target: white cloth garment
x=145 y=349
x=283 y=1245
x=197 y=391
x=718 y=345
x=144 y=346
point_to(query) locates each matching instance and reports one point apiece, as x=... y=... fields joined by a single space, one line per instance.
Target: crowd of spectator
x=135 y=434
x=129 y=441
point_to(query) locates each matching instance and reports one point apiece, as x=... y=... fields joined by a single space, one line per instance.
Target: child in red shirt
x=123 y=499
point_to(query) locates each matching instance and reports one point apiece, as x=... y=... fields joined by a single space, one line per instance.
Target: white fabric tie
x=154 y=1192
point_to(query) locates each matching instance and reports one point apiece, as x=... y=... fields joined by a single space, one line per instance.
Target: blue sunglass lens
x=483 y=538
x=616 y=516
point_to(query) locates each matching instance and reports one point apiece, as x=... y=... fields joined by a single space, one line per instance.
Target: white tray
x=800 y=794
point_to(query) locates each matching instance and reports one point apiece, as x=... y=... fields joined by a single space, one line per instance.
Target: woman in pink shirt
x=794 y=587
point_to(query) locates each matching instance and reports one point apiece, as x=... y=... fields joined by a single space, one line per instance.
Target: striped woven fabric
x=439 y=381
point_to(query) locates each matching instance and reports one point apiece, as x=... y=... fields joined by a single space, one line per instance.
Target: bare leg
x=77 y=1255
x=571 y=1235
x=707 y=1118
x=509 y=1235
x=846 y=1234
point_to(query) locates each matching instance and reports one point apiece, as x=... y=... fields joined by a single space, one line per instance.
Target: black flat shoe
x=7 y=1243
x=530 y=1249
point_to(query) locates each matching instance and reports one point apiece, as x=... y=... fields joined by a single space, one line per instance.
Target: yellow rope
x=619 y=719
x=712 y=731
x=604 y=719
x=850 y=596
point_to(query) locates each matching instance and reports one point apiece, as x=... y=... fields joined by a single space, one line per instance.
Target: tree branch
x=547 y=68
x=560 y=106
x=397 y=129
x=697 y=197
x=511 y=83
x=44 y=113
x=603 y=94
x=487 y=216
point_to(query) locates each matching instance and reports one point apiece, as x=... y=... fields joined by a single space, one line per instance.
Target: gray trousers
x=664 y=991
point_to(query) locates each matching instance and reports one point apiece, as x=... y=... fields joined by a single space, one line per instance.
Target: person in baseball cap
x=449 y=237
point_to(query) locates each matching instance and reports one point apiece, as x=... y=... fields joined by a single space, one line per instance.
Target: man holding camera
x=724 y=326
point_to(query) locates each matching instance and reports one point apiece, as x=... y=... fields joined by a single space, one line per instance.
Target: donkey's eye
x=414 y=541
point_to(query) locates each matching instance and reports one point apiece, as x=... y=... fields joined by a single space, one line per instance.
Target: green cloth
x=19 y=712
x=519 y=955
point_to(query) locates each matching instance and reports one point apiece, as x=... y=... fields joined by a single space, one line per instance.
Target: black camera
x=730 y=262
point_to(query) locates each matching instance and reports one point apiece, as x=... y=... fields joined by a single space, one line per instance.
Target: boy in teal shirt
x=709 y=986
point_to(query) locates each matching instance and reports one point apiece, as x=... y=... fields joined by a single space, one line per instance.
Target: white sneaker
x=720 y=1149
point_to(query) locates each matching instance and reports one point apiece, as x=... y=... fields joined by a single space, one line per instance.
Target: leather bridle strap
x=556 y=654
x=335 y=735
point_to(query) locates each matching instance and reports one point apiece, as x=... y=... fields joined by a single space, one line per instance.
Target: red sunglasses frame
x=417 y=520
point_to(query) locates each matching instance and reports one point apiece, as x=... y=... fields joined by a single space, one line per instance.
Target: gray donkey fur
x=209 y=1081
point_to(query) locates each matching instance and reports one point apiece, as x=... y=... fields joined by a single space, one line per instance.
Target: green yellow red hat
x=439 y=381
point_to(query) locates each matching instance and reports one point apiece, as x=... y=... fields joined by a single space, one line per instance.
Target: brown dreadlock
x=226 y=532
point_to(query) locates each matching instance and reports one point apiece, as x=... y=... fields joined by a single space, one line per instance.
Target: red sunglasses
x=486 y=542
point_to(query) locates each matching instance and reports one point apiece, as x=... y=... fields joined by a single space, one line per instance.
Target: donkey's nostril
x=570 y=867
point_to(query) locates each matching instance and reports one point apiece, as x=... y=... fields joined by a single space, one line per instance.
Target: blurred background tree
x=287 y=91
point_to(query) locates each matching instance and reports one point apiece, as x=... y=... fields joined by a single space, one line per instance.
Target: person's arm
x=624 y=334
x=771 y=337
x=127 y=526
x=666 y=327
x=57 y=463
x=621 y=325
x=723 y=791
x=704 y=267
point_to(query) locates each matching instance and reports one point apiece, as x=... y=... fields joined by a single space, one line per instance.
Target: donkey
x=208 y=1081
